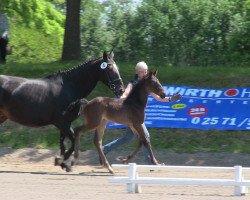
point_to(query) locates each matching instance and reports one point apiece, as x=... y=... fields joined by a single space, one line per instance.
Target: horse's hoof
x=58 y=161
x=66 y=167
x=73 y=162
x=63 y=166
x=69 y=169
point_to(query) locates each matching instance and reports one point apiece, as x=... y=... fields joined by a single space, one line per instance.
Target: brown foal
x=129 y=111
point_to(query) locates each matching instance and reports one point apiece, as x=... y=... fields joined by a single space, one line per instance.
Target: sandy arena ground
x=27 y=174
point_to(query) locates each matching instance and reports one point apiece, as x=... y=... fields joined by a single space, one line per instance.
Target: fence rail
x=134 y=182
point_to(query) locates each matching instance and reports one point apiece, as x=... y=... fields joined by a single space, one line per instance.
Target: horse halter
x=111 y=83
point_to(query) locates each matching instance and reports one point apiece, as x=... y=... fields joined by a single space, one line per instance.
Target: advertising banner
x=200 y=108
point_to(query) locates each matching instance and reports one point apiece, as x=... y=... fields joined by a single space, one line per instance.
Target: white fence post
x=131 y=187
x=133 y=181
x=137 y=186
x=239 y=190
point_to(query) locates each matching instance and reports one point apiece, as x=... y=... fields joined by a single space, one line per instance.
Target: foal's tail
x=75 y=108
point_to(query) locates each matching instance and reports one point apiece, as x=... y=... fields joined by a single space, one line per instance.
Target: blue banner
x=200 y=108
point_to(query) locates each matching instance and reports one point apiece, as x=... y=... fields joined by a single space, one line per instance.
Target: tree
x=71 y=46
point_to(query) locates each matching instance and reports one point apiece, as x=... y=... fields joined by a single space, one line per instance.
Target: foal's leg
x=91 y=123
x=78 y=132
x=145 y=142
x=98 y=143
x=132 y=155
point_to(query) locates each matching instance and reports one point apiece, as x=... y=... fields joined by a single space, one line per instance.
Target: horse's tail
x=75 y=108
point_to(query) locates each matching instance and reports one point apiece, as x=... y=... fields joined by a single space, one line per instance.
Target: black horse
x=40 y=102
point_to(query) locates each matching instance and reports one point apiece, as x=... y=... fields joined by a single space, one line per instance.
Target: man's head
x=141 y=69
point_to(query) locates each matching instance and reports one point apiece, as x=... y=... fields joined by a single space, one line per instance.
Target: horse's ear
x=105 y=55
x=155 y=72
x=150 y=73
x=112 y=54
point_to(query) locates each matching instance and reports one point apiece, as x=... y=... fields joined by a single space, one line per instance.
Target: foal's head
x=153 y=84
x=109 y=73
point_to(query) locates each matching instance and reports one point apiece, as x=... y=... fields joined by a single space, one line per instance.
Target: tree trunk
x=71 y=46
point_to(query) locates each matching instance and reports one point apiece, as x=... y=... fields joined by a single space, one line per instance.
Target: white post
x=137 y=186
x=239 y=190
x=132 y=175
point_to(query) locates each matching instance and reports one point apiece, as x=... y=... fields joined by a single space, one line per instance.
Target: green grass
x=176 y=140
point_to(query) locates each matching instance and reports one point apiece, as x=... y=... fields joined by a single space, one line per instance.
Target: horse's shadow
x=99 y=173
x=6 y=150
x=32 y=155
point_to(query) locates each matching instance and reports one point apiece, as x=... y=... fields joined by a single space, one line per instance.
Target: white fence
x=134 y=181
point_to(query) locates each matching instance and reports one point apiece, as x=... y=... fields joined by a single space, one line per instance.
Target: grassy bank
x=177 y=140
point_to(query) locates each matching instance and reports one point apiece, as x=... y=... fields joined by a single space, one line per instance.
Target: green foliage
x=239 y=37
x=38 y=15
x=181 y=33
x=176 y=33
x=119 y=14
x=94 y=36
x=36 y=30
x=30 y=45
x=184 y=33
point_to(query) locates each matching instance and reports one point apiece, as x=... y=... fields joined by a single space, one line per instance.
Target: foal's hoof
x=122 y=159
x=58 y=161
x=111 y=171
x=100 y=161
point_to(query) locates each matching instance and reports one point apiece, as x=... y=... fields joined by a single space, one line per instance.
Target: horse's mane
x=139 y=82
x=67 y=71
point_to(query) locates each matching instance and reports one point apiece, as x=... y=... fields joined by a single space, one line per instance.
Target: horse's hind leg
x=98 y=143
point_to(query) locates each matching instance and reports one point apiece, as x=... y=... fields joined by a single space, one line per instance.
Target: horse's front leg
x=146 y=142
x=62 y=146
x=67 y=131
x=98 y=143
x=71 y=136
x=59 y=160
